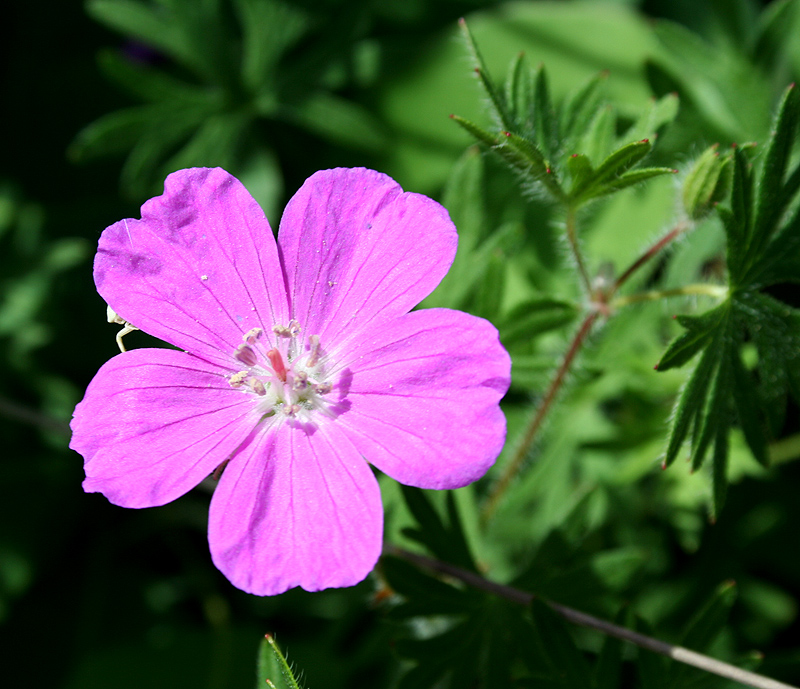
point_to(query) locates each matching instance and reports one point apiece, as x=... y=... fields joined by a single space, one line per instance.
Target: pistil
x=278 y=366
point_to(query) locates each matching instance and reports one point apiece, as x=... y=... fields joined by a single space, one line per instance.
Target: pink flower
x=302 y=363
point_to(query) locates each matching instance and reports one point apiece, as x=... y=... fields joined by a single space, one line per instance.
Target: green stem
x=521 y=452
x=572 y=236
x=682 y=655
x=718 y=291
x=785 y=450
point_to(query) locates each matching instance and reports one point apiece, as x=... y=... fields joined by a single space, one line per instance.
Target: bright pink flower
x=302 y=360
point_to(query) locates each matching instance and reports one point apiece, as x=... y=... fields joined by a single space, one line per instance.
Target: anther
x=323 y=388
x=278 y=366
x=313 y=357
x=252 y=335
x=291 y=409
x=294 y=327
x=257 y=386
x=300 y=381
x=246 y=355
x=237 y=379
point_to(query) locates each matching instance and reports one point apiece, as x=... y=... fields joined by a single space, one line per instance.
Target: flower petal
x=296 y=509
x=156 y=422
x=424 y=397
x=358 y=250
x=199 y=269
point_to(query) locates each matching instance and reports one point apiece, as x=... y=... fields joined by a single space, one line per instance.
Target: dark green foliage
x=719 y=392
x=221 y=69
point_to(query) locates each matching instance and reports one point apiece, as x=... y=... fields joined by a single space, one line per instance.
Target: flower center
x=289 y=380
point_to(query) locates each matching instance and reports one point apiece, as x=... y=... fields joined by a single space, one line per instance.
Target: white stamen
x=237 y=379
x=252 y=335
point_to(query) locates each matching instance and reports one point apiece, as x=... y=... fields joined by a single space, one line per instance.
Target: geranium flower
x=303 y=362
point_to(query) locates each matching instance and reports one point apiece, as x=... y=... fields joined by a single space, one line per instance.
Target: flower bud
x=707 y=183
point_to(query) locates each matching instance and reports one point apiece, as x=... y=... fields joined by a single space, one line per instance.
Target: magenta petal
x=199 y=269
x=424 y=398
x=296 y=509
x=156 y=422
x=358 y=250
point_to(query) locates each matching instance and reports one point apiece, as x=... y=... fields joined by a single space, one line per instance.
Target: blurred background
x=102 y=99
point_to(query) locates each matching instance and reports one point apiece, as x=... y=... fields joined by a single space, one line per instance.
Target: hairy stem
x=515 y=464
x=702 y=288
x=572 y=236
x=648 y=254
x=682 y=655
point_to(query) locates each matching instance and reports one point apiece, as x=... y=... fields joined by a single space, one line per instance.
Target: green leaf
x=545 y=122
x=773 y=197
x=480 y=134
x=423 y=594
x=774 y=28
x=155 y=86
x=738 y=222
x=519 y=90
x=608 y=668
x=608 y=175
x=632 y=178
x=748 y=411
x=445 y=541
x=499 y=107
x=580 y=107
x=657 y=115
x=187 y=35
x=534 y=317
x=272 y=668
x=713 y=415
x=622 y=160
x=480 y=649
x=689 y=404
x=600 y=136
x=774 y=328
x=532 y=163
x=699 y=332
x=490 y=292
x=337 y=120
x=580 y=170
x=564 y=662
x=652 y=668
x=780 y=261
x=269 y=28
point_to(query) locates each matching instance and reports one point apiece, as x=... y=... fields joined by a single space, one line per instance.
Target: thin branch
x=705 y=289
x=13 y=410
x=647 y=255
x=679 y=653
x=572 y=236
x=514 y=465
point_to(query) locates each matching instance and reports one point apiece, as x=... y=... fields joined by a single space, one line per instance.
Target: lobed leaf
x=564 y=662
x=699 y=331
x=499 y=107
x=545 y=122
x=771 y=196
x=272 y=670
x=445 y=541
x=690 y=401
